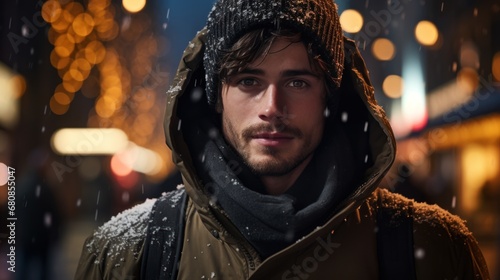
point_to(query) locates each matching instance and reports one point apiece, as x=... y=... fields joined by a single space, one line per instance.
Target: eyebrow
x=286 y=73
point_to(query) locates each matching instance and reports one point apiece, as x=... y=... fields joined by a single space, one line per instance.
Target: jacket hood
x=359 y=116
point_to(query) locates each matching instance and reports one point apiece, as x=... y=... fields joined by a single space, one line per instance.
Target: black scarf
x=272 y=222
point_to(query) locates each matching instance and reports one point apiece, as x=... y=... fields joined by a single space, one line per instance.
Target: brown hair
x=256 y=44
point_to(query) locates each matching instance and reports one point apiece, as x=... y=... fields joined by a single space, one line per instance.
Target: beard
x=277 y=161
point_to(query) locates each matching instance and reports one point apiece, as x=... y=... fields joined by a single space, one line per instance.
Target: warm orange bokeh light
x=62 y=98
x=56 y=107
x=51 y=11
x=383 y=49
x=426 y=33
x=19 y=84
x=134 y=6
x=393 y=86
x=64 y=47
x=83 y=24
x=351 y=21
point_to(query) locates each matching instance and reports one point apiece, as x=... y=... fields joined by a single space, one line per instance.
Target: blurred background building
x=82 y=93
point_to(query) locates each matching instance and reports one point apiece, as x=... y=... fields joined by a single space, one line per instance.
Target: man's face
x=273 y=110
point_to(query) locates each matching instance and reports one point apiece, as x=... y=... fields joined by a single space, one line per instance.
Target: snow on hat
x=317 y=20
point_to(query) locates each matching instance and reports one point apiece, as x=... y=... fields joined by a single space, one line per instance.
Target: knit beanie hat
x=316 y=20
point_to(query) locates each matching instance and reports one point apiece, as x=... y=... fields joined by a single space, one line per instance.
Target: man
x=280 y=157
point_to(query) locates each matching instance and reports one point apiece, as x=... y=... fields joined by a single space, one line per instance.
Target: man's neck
x=276 y=185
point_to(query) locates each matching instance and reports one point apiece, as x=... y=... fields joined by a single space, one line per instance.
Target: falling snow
x=212 y=133
x=25 y=31
x=326 y=113
x=419 y=253
x=47 y=220
x=197 y=94
x=344 y=116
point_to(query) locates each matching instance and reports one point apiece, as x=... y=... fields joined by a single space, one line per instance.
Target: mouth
x=272 y=139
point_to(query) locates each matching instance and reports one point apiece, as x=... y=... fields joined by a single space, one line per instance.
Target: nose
x=272 y=104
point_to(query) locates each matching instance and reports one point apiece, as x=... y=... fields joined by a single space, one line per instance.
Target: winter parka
x=343 y=247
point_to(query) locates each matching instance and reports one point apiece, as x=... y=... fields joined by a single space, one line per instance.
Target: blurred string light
x=426 y=33
x=351 y=21
x=114 y=65
x=77 y=33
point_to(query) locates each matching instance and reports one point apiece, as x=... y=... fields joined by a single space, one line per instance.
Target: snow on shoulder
x=122 y=234
x=131 y=223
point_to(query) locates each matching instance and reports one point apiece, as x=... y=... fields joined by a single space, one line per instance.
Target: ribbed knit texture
x=317 y=20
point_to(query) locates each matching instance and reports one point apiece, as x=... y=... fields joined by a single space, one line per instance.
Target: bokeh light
x=62 y=98
x=4 y=175
x=393 y=86
x=118 y=165
x=51 y=11
x=351 y=21
x=83 y=24
x=85 y=141
x=19 y=84
x=426 y=33
x=56 y=107
x=383 y=49
x=133 y=6
x=121 y=76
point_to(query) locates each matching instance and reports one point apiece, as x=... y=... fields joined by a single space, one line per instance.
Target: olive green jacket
x=344 y=247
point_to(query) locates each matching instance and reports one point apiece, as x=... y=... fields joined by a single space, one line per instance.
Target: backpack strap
x=396 y=257
x=165 y=236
